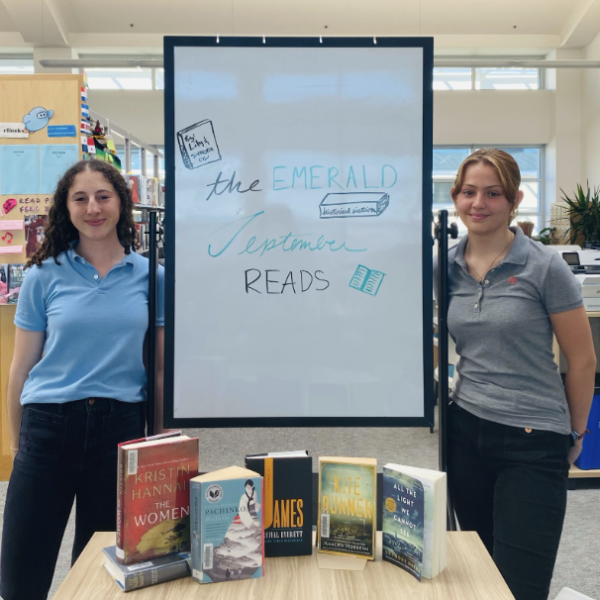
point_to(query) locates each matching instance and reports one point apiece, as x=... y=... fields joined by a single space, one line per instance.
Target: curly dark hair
x=60 y=232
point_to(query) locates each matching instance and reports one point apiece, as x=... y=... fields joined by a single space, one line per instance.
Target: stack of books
x=153 y=510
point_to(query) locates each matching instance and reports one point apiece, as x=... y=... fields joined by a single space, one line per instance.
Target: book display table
x=470 y=575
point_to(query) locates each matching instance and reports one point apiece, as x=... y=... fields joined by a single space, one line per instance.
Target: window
x=136 y=160
x=446 y=161
x=159 y=79
x=507 y=79
x=16 y=66
x=486 y=78
x=452 y=79
x=119 y=79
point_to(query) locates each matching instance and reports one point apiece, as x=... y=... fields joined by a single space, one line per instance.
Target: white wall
x=564 y=152
x=590 y=97
x=493 y=117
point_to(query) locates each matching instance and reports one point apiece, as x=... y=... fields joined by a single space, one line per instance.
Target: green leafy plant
x=583 y=210
x=547 y=235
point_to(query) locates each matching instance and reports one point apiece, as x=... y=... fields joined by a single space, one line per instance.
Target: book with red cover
x=153 y=496
x=133 y=183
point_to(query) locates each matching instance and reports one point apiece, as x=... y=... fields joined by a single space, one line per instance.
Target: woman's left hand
x=575 y=451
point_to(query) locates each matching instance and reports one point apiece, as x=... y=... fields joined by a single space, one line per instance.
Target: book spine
x=262 y=523
x=184 y=153
x=157 y=574
x=121 y=456
x=196 y=530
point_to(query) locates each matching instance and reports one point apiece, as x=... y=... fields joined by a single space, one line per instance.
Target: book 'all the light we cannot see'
x=414 y=519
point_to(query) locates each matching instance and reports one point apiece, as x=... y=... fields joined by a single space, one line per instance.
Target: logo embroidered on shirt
x=512 y=280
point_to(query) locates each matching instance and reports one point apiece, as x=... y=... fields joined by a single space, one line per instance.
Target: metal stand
x=151 y=367
x=442 y=231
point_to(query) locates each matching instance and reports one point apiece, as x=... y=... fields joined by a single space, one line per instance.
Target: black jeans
x=510 y=486
x=66 y=451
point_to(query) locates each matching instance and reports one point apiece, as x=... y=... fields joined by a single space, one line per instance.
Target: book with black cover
x=287 y=501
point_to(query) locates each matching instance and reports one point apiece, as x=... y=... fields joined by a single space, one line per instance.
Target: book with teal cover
x=403 y=521
x=227 y=529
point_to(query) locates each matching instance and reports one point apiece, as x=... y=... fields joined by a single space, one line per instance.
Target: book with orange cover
x=153 y=496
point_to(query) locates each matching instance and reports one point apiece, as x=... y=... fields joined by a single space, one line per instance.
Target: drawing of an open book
x=366 y=280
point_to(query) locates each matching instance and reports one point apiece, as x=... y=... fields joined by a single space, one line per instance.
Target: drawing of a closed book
x=198 y=145
x=339 y=205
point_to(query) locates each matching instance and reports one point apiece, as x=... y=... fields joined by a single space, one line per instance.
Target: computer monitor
x=571 y=258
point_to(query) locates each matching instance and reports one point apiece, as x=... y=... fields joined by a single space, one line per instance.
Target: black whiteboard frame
x=426 y=44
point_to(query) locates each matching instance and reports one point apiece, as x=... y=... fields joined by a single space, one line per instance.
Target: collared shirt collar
x=73 y=255
x=517 y=255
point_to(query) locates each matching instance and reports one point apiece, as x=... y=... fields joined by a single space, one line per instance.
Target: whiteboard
x=298 y=232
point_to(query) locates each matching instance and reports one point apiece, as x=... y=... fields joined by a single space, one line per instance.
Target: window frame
x=474 y=69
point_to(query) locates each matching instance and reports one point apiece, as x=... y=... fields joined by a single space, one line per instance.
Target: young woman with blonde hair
x=513 y=427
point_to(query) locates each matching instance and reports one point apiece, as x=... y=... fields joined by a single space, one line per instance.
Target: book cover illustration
x=341 y=205
x=133 y=183
x=198 y=145
x=347 y=519
x=227 y=530
x=287 y=506
x=149 y=572
x=403 y=521
x=14 y=282
x=153 y=498
x=35 y=232
x=367 y=280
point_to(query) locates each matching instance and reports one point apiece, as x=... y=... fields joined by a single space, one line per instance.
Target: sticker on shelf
x=13 y=130
x=37 y=118
x=11 y=249
x=16 y=225
x=62 y=131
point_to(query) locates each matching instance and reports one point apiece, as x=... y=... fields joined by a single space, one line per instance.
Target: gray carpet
x=578 y=564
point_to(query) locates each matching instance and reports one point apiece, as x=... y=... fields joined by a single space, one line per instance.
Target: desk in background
x=470 y=575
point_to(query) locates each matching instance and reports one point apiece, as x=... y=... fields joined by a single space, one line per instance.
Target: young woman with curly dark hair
x=77 y=380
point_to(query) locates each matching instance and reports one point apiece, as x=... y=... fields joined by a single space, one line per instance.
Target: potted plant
x=583 y=210
x=547 y=236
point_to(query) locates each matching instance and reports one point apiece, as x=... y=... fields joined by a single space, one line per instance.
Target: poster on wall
x=299 y=231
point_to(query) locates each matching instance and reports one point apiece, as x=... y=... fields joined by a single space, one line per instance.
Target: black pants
x=510 y=486
x=66 y=451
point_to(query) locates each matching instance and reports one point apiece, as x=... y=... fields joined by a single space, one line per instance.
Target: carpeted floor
x=578 y=564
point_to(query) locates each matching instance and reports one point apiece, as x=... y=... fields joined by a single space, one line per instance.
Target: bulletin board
x=40 y=120
x=298 y=236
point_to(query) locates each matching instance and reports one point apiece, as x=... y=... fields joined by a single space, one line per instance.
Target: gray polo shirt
x=503 y=335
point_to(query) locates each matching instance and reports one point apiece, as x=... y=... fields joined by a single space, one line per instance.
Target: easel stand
x=442 y=231
x=152 y=287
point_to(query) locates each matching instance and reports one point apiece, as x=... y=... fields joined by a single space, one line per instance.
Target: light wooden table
x=470 y=575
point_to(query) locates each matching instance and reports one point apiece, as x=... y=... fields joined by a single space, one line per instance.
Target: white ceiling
x=459 y=26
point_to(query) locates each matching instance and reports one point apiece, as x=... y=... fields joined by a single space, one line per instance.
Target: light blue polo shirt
x=95 y=328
